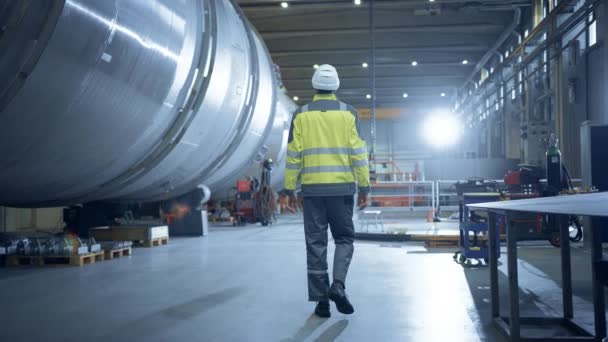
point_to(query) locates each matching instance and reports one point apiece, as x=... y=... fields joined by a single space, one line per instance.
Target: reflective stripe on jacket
x=326 y=150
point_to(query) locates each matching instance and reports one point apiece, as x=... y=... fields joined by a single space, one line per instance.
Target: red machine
x=243 y=204
x=256 y=200
x=525 y=183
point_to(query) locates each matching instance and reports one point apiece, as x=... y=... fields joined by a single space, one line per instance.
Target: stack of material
x=115 y=249
x=110 y=245
x=42 y=244
x=9 y=242
x=45 y=248
x=145 y=235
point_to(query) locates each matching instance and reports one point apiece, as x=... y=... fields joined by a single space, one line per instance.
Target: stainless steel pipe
x=132 y=100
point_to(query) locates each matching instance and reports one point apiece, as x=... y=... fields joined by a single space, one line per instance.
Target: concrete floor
x=249 y=284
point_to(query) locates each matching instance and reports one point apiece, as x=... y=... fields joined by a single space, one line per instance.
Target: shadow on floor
x=333 y=332
x=156 y=323
x=312 y=323
x=532 y=303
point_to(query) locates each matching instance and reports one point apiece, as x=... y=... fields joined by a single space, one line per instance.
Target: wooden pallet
x=154 y=242
x=117 y=253
x=441 y=243
x=438 y=241
x=73 y=260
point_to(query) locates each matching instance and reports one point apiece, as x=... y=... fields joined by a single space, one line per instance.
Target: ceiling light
x=364 y=65
x=405 y=95
x=357 y=2
x=414 y=63
x=295 y=98
x=368 y=96
x=431 y=0
x=284 y=4
x=442 y=94
x=316 y=66
x=465 y=62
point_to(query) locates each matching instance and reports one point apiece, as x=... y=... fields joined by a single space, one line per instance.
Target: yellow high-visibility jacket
x=325 y=149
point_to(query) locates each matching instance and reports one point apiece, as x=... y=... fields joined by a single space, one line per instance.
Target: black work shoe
x=322 y=310
x=337 y=295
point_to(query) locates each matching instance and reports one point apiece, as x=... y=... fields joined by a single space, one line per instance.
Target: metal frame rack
x=588 y=205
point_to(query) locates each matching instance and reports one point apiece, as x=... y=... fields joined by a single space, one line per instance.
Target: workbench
x=587 y=205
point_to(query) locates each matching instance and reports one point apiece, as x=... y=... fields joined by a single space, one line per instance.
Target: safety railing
x=400 y=195
x=446 y=196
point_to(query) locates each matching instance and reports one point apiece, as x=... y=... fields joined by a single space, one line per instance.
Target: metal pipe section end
x=132 y=100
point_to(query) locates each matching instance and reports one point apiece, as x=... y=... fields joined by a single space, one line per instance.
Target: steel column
x=372 y=85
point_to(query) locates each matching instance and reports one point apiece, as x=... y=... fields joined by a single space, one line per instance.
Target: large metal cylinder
x=134 y=100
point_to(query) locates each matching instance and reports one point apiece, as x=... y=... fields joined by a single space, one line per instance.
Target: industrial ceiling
x=425 y=50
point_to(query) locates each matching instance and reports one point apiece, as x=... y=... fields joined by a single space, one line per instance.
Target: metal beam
x=386 y=78
x=456 y=28
x=397 y=90
x=256 y=6
x=393 y=97
x=383 y=65
x=406 y=49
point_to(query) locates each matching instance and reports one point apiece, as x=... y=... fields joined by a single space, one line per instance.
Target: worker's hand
x=362 y=201
x=292 y=202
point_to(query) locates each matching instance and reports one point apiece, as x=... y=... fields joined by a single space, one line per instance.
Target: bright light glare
x=405 y=95
x=357 y=2
x=364 y=65
x=368 y=96
x=284 y=4
x=316 y=66
x=414 y=63
x=442 y=129
x=465 y=62
x=295 y=98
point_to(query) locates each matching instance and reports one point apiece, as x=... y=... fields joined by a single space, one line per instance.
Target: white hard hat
x=326 y=78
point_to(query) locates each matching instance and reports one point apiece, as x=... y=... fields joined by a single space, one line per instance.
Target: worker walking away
x=329 y=157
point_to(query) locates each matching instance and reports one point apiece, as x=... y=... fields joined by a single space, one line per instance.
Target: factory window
x=520 y=78
x=592 y=30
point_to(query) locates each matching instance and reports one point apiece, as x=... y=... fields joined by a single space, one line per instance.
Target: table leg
x=599 y=305
x=493 y=258
x=514 y=323
x=564 y=229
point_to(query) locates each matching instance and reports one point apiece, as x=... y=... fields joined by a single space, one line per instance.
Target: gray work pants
x=337 y=211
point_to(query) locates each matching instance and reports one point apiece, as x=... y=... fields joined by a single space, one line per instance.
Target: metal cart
x=474 y=229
